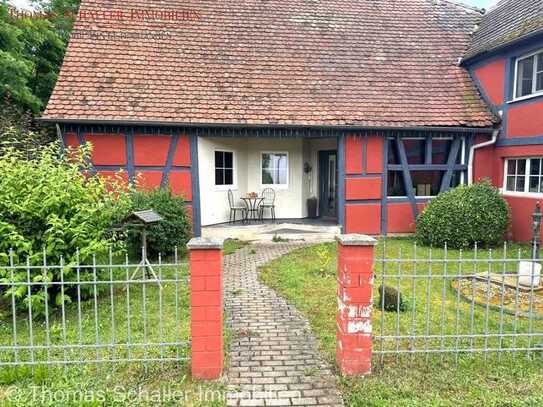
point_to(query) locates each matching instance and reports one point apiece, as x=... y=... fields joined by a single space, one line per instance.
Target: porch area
x=287 y=187
x=306 y=230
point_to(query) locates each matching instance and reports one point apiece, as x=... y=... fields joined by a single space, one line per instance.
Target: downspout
x=490 y=142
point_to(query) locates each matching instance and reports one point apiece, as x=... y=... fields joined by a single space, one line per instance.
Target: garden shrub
x=52 y=204
x=391 y=300
x=464 y=216
x=174 y=231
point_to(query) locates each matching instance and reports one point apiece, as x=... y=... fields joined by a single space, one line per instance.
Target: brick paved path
x=273 y=358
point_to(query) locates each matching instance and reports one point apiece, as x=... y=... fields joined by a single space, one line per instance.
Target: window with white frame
x=224 y=168
x=274 y=168
x=529 y=75
x=524 y=175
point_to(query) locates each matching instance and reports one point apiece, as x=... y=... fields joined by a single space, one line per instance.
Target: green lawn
x=307 y=278
x=232 y=245
x=105 y=384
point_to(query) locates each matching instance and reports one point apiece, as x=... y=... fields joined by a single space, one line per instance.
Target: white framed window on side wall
x=528 y=75
x=523 y=176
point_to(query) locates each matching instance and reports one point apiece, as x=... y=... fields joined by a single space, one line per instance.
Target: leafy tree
x=62 y=14
x=19 y=130
x=31 y=51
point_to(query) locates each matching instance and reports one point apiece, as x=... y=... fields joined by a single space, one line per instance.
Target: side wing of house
x=512 y=82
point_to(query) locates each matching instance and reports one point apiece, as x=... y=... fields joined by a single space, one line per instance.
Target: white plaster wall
x=290 y=201
x=213 y=200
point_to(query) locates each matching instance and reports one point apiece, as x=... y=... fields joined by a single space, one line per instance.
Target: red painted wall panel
x=353 y=154
x=151 y=150
x=362 y=188
x=400 y=218
x=364 y=218
x=492 y=78
x=149 y=180
x=521 y=225
x=182 y=152
x=374 y=155
x=482 y=164
x=525 y=120
x=181 y=184
x=71 y=140
x=108 y=149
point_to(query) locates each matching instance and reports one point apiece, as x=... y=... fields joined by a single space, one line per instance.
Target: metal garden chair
x=267 y=203
x=235 y=208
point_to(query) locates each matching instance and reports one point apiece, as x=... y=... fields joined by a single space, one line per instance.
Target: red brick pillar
x=355 y=289
x=206 y=300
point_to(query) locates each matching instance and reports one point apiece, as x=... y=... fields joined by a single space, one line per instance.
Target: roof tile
x=508 y=21
x=278 y=62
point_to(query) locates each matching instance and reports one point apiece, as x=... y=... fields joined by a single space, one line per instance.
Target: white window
x=224 y=169
x=274 y=169
x=529 y=75
x=524 y=175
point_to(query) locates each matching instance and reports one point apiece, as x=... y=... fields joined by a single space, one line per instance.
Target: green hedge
x=174 y=231
x=52 y=204
x=464 y=216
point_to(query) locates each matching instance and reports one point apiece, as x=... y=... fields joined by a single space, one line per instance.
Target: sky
x=480 y=3
x=25 y=4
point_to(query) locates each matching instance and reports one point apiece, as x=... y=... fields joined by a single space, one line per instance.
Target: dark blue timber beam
x=428 y=154
x=406 y=175
x=341 y=181
x=169 y=160
x=451 y=160
x=384 y=188
x=196 y=210
x=129 y=134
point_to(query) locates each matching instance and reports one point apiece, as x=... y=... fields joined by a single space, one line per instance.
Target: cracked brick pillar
x=206 y=298
x=355 y=289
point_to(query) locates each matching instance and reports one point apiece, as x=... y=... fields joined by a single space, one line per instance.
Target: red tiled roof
x=276 y=62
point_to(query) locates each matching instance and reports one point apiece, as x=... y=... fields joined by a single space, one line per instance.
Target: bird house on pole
x=142 y=220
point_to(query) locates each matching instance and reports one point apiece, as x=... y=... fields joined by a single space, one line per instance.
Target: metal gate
x=452 y=303
x=103 y=312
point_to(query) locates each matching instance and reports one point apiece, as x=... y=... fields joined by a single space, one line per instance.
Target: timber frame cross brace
x=450 y=167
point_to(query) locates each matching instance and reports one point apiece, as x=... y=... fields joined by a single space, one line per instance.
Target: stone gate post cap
x=356 y=240
x=205 y=243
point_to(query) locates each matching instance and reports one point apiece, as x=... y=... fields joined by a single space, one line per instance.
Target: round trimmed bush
x=464 y=216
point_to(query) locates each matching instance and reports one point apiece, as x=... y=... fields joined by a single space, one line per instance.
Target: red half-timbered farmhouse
x=373 y=107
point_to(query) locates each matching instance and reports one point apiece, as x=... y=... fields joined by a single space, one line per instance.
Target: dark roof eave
x=451 y=129
x=484 y=54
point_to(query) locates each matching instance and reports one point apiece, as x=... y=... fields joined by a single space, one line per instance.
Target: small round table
x=252 y=208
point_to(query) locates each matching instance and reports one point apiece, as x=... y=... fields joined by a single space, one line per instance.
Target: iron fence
x=451 y=303
x=99 y=312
